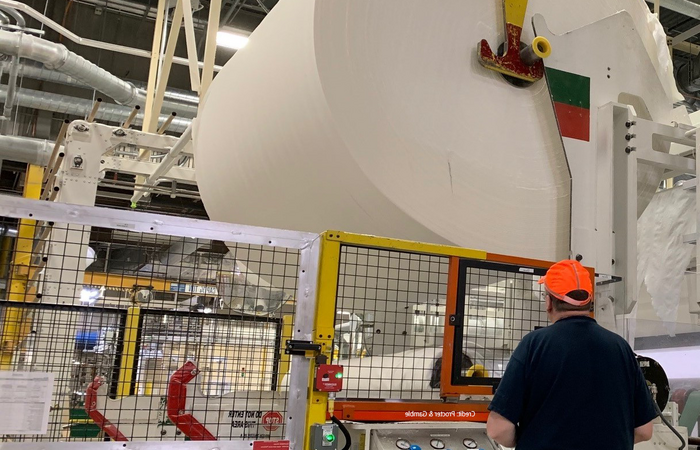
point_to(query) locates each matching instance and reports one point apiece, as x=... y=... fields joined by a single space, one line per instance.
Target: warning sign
x=271 y=445
x=272 y=420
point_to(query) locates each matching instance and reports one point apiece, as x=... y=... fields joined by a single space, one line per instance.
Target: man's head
x=568 y=290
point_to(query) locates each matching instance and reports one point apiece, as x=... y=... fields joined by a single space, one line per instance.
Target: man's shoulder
x=611 y=336
x=555 y=331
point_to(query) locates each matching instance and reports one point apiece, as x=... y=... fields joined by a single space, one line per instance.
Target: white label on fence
x=25 y=398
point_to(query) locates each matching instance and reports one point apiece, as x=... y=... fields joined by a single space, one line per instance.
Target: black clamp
x=294 y=347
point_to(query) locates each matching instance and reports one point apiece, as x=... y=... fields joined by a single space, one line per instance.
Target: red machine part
x=511 y=62
x=177 y=399
x=97 y=417
x=329 y=378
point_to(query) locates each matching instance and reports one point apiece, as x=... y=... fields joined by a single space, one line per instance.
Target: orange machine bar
x=447 y=389
x=400 y=411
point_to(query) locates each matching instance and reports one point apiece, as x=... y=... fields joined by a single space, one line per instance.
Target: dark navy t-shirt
x=574 y=385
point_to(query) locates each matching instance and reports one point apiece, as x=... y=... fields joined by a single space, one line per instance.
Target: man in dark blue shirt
x=572 y=385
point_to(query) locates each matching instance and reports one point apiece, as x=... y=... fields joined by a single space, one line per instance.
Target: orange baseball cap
x=567 y=276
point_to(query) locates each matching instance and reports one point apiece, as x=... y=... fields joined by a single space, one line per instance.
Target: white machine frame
x=84 y=161
x=624 y=142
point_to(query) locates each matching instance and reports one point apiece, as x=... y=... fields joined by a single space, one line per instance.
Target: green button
x=330 y=437
x=339 y=375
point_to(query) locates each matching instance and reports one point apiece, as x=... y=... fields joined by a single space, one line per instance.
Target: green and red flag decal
x=571 y=94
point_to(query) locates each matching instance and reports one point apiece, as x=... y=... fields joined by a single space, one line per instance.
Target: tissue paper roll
x=376 y=117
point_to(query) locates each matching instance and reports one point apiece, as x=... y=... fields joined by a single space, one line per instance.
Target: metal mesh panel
x=8 y=237
x=389 y=323
x=132 y=308
x=76 y=344
x=502 y=304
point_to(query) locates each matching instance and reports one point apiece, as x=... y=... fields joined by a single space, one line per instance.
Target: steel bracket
x=296 y=347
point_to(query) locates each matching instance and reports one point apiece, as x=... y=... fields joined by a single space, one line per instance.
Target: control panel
x=663 y=439
x=329 y=378
x=324 y=437
x=431 y=438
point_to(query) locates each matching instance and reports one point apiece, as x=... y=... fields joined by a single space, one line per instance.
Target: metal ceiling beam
x=687 y=47
x=134 y=9
x=684 y=36
x=685 y=7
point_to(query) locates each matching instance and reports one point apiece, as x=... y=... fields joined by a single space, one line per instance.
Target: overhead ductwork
x=64 y=104
x=181 y=102
x=26 y=150
x=37 y=71
x=57 y=57
x=685 y=7
x=19 y=19
x=174 y=95
x=13 y=71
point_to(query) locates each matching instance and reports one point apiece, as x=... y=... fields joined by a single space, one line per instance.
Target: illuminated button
x=415 y=447
x=339 y=375
x=329 y=437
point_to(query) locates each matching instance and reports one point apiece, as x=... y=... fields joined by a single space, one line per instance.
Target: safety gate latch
x=296 y=347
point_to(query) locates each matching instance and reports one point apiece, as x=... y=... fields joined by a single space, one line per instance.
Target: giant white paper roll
x=375 y=117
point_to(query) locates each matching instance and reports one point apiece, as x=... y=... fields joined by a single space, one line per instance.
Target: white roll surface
x=376 y=117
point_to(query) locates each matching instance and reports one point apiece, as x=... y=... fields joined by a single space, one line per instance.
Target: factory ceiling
x=131 y=23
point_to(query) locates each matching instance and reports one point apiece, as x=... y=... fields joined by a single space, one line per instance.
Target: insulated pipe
x=37 y=71
x=14 y=68
x=182 y=102
x=26 y=150
x=33 y=13
x=175 y=95
x=56 y=56
x=57 y=103
x=11 y=95
x=19 y=18
x=685 y=7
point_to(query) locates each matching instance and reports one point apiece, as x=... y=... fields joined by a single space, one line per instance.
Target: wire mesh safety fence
x=390 y=315
x=76 y=344
x=390 y=321
x=499 y=304
x=129 y=309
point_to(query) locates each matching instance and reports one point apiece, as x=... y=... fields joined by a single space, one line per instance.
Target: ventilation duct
x=181 y=102
x=64 y=104
x=57 y=57
x=25 y=150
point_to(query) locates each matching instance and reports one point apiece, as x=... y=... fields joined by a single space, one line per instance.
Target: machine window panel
x=389 y=323
x=497 y=305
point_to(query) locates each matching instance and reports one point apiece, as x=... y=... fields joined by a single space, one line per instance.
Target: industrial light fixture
x=231 y=39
